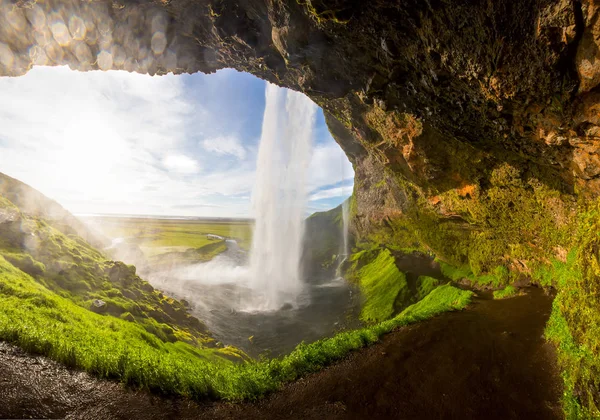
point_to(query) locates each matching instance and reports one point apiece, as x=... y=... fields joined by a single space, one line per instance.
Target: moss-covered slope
x=71 y=268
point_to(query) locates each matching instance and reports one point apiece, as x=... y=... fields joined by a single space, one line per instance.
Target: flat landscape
x=159 y=236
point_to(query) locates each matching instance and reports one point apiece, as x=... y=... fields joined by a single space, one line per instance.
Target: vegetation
x=507 y=292
x=482 y=232
x=380 y=283
x=575 y=321
x=158 y=236
x=498 y=277
x=72 y=269
x=425 y=285
x=43 y=322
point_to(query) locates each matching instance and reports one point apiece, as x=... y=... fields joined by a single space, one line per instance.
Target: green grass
x=380 y=282
x=161 y=233
x=574 y=360
x=507 y=292
x=42 y=322
x=455 y=273
x=574 y=324
x=72 y=269
x=498 y=277
x=425 y=285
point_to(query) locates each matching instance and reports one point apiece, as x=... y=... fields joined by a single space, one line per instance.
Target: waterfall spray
x=279 y=198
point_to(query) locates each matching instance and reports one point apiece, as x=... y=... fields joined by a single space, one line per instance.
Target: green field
x=157 y=237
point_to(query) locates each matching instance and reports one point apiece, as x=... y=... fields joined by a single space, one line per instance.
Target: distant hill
x=33 y=203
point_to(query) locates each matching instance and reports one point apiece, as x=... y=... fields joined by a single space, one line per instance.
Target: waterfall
x=279 y=199
x=345 y=217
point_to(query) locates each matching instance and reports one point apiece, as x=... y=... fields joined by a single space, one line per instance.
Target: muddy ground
x=487 y=362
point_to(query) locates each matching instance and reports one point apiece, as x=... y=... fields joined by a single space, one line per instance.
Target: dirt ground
x=487 y=362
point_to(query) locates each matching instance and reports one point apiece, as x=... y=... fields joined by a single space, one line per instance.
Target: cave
x=471 y=126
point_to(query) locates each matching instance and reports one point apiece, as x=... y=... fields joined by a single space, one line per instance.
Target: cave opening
x=171 y=173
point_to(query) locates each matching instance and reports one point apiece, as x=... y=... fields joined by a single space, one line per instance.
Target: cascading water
x=264 y=296
x=345 y=220
x=279 y=199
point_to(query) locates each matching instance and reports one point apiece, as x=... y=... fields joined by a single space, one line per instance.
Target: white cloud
x=225 y=145
x=329 y=165
x=331 y=193
x=118 y=142
x=181 y=164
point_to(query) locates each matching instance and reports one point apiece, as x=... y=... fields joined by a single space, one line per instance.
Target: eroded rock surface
x=439 y=93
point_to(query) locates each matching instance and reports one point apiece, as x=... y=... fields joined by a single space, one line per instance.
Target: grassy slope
x=383 y=287
x=40 y=321
x=71 y=268
x=380 y=283
x=34 y=204
x=43 y=322
x=425 y=285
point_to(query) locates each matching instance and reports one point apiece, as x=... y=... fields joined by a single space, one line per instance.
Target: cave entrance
x=163 y=170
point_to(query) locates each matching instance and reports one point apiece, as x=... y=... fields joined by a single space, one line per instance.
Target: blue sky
x=123 y=143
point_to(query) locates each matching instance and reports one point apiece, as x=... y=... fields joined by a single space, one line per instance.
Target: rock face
x=437 y=94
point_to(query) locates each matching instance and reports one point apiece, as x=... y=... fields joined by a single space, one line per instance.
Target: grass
x=574 y=325
x=43 y=322
x=507 y=292
x=497 y=278
x=161 y=233
x=574 y=359
x=425 y=285
x=72 y=269
x=380 y=282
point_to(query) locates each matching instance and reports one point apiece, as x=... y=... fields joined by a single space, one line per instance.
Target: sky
x=123 y=143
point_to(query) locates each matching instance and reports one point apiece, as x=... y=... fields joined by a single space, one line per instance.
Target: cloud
x=124 y=143
x=225 y=145
x=331 y=193
x=181 y=164
x=328 y=165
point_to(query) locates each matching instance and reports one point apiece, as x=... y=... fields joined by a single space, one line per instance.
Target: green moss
x=380 y=282
x=455 y=273
x=575 y=361
x=440 y=296
x=507 y=292
x=26 y=263
x=425 y=285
